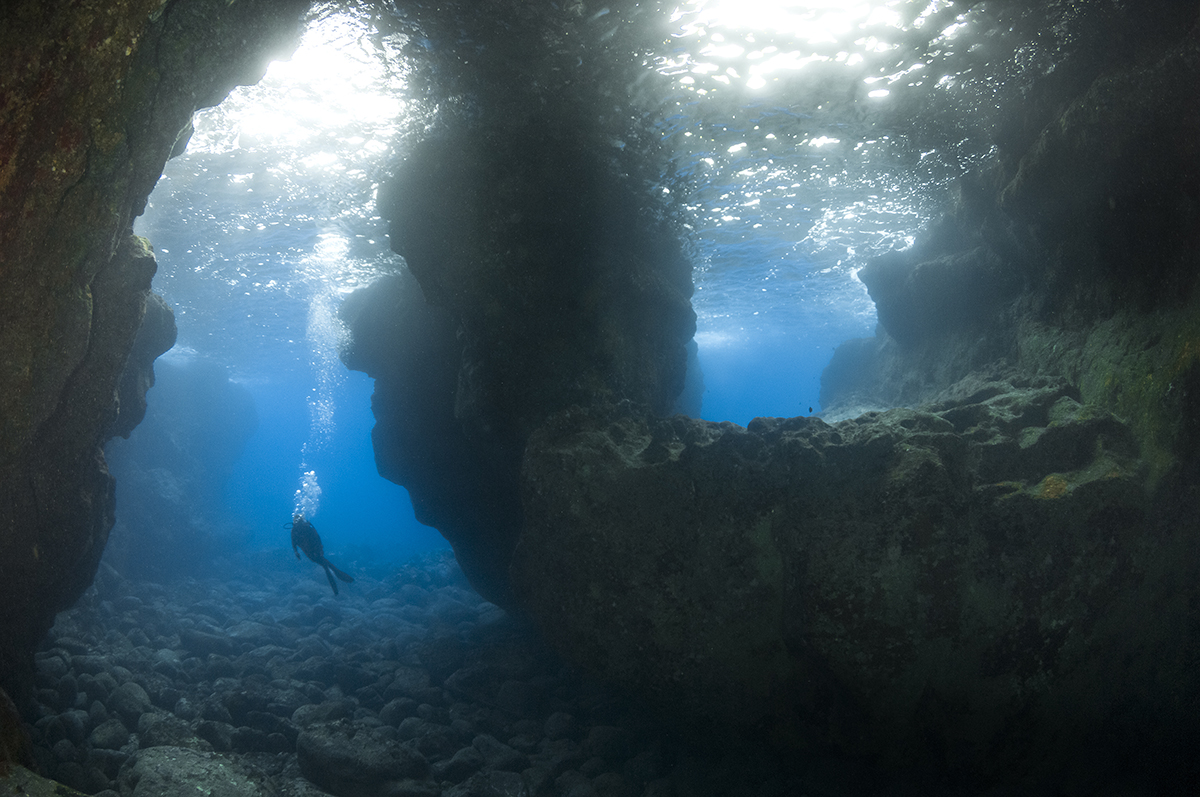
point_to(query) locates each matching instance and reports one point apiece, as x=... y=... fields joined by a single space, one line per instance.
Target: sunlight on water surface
x=788 y=122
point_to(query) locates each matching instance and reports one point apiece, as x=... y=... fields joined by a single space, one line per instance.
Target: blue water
x=767 y=374
x=356 y=506
x=268 y=221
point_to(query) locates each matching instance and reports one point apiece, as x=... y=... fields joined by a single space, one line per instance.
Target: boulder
x=350 y=761
x=129 y=701
x=181 y=772
x=109 y=735
x=159 y=729
x=491 y=784
x=982 y=586
x=95 y=102
x=498 y=755
x=460 y=766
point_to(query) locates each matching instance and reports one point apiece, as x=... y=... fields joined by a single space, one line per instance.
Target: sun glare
x=725 y=31
x=334 y=82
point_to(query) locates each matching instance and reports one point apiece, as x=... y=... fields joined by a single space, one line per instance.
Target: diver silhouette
x=305 y=537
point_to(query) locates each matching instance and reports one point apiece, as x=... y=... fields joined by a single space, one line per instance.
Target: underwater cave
x=693 y=398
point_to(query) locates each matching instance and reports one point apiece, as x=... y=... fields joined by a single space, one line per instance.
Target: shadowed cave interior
x=789 y=398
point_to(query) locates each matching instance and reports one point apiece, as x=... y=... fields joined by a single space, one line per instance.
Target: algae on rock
x=958 y=586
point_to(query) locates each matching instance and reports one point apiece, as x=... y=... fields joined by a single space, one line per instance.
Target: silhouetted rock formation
x=994 y=586
x=458 y=484
x=549 y=283
x=15 y=749
x=95 y=99
x=1077 y=259
x=1078 y=262
x=171 y=472
x=155 y=337
x=57 y=503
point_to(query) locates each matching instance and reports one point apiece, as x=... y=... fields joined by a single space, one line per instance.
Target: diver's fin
x=329 y=576
x=349 y=579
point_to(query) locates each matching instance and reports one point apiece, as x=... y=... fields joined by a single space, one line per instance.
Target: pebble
x=408 y=684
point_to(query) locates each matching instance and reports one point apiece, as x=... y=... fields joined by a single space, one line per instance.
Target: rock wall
x=93 y=99
x=999 y=585
x=982 y=591
x=1079 y=258
x=155 y=336
x=539 y=280
x=996 y=586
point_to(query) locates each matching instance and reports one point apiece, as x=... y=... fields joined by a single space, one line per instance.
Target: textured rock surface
x=880 y=587
x=155 y=336
x=349 y=761
x=57 y=512
x=1077 y=259
x=997 y=585
x=179 y=772
x=458 y=484
x=29 y=784
x=549 y=282
x=14 y=746
x=92 y=102
x=983 y=588
x=408 y=659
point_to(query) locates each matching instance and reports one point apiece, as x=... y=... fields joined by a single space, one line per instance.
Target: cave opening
x=261 y=227
x=971 y=226
x=787 y=146
x=269 y=218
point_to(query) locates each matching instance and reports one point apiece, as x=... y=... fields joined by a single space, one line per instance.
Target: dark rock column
x=93 y=99
x=542 y=280
x=460 y=485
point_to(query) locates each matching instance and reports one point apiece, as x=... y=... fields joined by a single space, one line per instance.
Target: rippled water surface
x=806 y=137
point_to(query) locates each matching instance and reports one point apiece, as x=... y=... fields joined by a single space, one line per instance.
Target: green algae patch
x=1140 y=367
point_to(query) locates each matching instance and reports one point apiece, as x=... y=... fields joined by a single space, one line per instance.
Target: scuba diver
x=305 y=537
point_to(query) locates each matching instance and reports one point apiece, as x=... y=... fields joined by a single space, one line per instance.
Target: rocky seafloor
x=257 y=680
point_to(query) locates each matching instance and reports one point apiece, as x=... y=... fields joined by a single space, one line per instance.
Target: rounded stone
x=346 y=760
x=109 y=735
